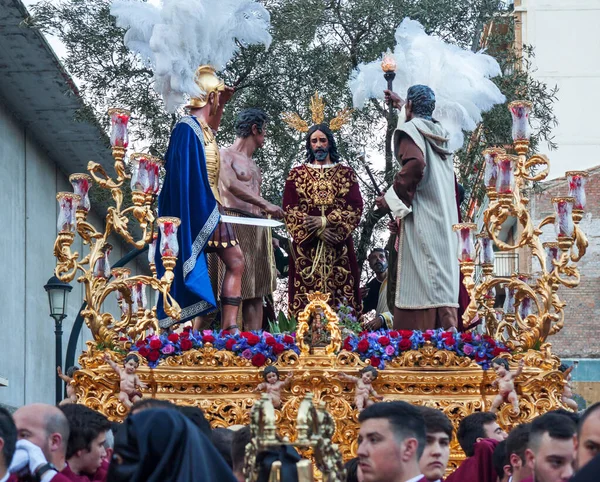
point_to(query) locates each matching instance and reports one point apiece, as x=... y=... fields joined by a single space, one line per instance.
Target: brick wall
x=580 y=335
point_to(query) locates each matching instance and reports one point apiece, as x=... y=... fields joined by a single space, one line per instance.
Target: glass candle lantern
x=490 y=158
x=102 y=266
x=563 y=209
x=67 y=202
x=486 y=249
x=577 y=180
x=153 y=173
x=509 y=301
x=138 y=292
x=81 y=186
x=520 y=110
x=168 y=236
x=505 y=182
x=119 y=118
x=139 y=172
x=152 y=249
x=552 y=253
x=466 y=246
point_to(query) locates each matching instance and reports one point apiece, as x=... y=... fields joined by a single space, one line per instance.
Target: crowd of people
x=397 y=442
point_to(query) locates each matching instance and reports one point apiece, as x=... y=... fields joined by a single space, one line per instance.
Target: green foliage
x=316 y=45
x=283 y=324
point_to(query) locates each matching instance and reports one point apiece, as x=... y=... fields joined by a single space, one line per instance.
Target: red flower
x=173 y=337
x=278 y=348
x=384 y=341
x=427 y=336
x=259 y=360
x=270 y=341
x=479 y=357
x=253 y=339
x=208 y=339
x=449 y=342
x=186 y=344
x=153 y=355
x=404 y=344
x=375 y=361
x=347 y=346
x=123 y=338
x=288 y=339
x=187 y=329
x=140 y=343
x=184 y=335
x=467 y=337
x=447 y=335
x=394 y=334
x=363 y=345
x=497 y=351
x=143 y=351
x=155 y=344
x=406 y=333
x=230 y=343
x=245 y=334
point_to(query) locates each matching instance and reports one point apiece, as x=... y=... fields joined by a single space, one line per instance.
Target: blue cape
x=186 y=194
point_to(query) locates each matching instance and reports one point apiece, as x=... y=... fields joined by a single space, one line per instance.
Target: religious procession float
x=313 y=371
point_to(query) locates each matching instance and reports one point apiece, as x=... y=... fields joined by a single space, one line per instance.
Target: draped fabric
x=159 y=445
x=332 y=192
x=186 y=194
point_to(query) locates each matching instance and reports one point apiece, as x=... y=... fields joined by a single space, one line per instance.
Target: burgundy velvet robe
x=334 y=193
x=479 y=467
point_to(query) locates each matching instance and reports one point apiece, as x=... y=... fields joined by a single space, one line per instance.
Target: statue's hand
x=312 y=223
x=394 y=99
x=226 y=94
x=274 y=211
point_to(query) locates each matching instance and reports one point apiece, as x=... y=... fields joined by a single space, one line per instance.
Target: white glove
x=36 y=456
x=20 y=460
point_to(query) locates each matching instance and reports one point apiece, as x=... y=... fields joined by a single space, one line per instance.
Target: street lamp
x=57 y=298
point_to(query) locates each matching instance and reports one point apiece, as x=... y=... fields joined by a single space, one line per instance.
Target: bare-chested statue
x=239 y=187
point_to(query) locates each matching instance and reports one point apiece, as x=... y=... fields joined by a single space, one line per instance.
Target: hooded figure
x=163 y=446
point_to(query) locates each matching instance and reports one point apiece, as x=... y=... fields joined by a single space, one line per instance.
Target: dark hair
x=405 y=421
x=555 y=425
x=8 y=433
x=500 y=459
x=72 y=370
x=147 y=403
x=471 y=428
x=196 y=416
x=222 y=439
x=333 y=153
x=503 y=362
x=270 y=369
x=241 y=438
x=248 y=118
x=378 y=250
x=370 y=368
x=574 y=416
x=131 y=356
x=352 y=470
x=422 y=99
x=591 y=409
x=517 y=441
x=85 y=425
x=436 y=421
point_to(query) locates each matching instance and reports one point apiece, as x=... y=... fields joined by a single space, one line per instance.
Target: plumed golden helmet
x=207 y=80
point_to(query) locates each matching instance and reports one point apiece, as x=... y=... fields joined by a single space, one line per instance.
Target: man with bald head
x=43 y=432
x=588 y=436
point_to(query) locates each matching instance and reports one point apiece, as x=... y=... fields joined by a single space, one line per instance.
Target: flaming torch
x=388 y=65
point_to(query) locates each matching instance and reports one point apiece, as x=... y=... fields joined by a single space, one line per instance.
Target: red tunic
x=315 y=265
x=479 y=467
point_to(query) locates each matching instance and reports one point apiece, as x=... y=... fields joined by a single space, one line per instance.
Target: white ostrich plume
x=460 y=78
x=178 y=36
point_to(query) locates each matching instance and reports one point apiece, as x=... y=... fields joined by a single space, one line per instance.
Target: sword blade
x=267 y=223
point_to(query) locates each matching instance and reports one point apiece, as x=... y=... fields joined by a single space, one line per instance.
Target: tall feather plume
x=460 y=78
x=179 y=35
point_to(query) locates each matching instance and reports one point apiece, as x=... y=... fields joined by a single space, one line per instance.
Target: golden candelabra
x=532 y=308
x=98 y=279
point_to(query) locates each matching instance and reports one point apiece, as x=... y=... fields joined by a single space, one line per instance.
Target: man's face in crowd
x=553 y=461
x=435 y=457
x=378 y=261
x=90 y=460
x=588 y=443
x=494 y=431
x=319 y=145
x=31 y=426
x=379 y=454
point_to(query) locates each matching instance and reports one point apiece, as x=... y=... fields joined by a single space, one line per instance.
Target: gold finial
x=317 y=109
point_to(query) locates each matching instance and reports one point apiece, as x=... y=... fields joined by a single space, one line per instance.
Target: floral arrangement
x=256 y=346
x=348 y=321
x=384 y=345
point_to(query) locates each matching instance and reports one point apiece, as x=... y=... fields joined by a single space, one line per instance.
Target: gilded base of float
x=221 y=384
